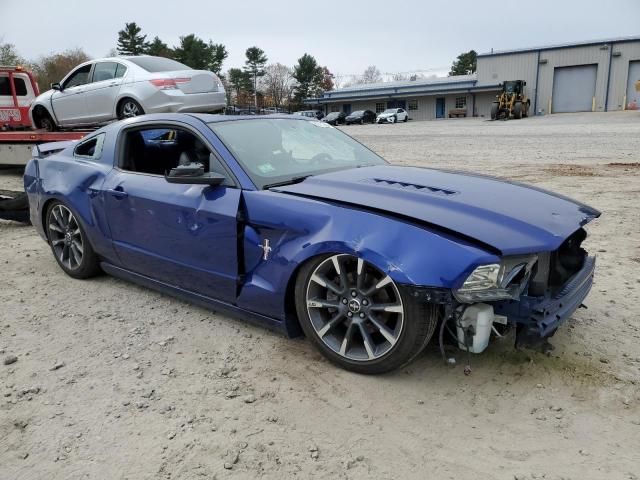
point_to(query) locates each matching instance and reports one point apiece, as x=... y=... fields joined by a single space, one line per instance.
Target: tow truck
x=18 y=89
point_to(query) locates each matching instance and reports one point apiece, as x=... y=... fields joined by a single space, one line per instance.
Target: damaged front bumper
x=539 y=317
x=535 y=317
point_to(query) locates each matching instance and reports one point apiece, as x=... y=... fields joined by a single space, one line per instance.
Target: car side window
x=90 y=149
x=78 y=77
x=104 y=71
x=156 y=150
x=120 y=71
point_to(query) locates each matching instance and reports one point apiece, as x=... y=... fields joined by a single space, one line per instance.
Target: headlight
x=497 y=281
x=482 y=278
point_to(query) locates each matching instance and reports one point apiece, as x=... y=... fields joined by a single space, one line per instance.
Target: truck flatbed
x=15 y=146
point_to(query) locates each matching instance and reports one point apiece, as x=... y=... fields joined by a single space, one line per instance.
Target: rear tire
x=129 y=108
x=406 y=119
x=69 y=243
x=357 y=316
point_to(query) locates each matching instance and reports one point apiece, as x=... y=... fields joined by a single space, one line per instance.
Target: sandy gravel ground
x=113 y=381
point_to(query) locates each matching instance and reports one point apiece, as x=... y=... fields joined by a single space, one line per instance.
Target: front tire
x=358 y=317
x=43 y=120
x=69 y=243
x=494 y=111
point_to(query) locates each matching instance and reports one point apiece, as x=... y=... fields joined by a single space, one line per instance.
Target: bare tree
x=371 y=75
x=277 y=83
x=400 y=77
x=53 y=67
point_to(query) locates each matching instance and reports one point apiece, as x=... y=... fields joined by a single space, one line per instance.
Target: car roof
x=212 y=118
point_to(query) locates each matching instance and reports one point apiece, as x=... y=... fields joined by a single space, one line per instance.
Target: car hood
x=384 y=115
x=43 y=97
x=508 y=217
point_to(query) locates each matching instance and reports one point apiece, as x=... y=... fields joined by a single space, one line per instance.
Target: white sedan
x=99 y=91
x=392 y=115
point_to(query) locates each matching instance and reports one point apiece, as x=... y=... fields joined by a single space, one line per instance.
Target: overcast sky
x=345 y=35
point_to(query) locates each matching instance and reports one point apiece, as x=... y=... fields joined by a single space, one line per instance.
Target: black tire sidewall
x=417 y=330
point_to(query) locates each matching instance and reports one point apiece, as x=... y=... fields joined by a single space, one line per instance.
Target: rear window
x=158 y=64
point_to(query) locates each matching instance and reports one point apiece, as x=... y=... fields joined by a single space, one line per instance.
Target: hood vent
x=411 y=186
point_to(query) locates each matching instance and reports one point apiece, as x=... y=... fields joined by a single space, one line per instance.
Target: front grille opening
x=566 y=261
x=554 y=269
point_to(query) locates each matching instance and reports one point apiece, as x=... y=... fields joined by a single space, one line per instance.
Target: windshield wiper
x=291 y=181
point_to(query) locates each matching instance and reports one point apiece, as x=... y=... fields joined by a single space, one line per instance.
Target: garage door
x=633 y=97
x=574 y=88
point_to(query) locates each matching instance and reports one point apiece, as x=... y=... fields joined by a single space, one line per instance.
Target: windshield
x=390 y=110
x=333 y=114
x=158 y=64
x=274 y=151
x=357 y=113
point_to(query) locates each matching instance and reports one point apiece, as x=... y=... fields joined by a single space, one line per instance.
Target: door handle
x=118 y=192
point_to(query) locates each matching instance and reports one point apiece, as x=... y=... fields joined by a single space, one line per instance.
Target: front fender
x=299 y=229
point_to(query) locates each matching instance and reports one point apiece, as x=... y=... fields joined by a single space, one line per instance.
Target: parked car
x=273 y=110
x=361 y=117
x=99 y=91
x=393 y=115
x=335 y=118
x=306 y=230
x=317 y=114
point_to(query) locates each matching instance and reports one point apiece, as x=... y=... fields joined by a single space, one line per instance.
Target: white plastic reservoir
x=480 y=316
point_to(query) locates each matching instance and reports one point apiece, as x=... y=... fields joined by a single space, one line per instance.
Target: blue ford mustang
x=289 y=222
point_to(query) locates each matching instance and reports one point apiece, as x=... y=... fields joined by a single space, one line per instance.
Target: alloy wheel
x=65 y=237
x=355 y=309
x=130 y=109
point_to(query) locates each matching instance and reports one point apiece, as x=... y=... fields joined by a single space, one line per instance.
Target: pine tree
x=310 y=77
x=130 y=41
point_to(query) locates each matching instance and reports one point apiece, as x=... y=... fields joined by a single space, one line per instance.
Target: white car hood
x=385 y=115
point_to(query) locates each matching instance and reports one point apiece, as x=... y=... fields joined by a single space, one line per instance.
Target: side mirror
x=193 y=174
x=56 y=86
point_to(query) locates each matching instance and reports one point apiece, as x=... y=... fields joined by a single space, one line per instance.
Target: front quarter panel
x=299 y=229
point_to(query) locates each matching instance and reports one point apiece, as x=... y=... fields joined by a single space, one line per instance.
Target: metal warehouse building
x=589 y=76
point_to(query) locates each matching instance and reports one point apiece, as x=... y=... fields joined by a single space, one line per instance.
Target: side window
x=104 y=71
x=156 y=150
x=5 y=89
x=90 y=148
x=120 y=70
x=21 y=86
x=461 y=102
x=79 y=77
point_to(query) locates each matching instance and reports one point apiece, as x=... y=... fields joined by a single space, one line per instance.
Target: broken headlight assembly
x=497 y=281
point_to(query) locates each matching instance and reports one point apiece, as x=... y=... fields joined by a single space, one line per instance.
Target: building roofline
x=374 y=96
x=588 y=43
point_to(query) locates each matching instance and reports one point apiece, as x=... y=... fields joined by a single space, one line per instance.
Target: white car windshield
x=280 y=151
x=390 y=110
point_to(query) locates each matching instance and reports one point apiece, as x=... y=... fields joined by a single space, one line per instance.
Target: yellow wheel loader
x=511 y=102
